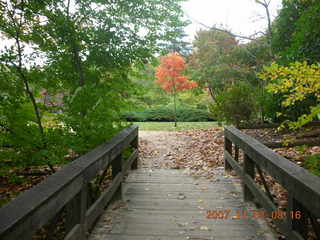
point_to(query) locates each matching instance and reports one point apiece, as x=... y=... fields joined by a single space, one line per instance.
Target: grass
x=169 y=126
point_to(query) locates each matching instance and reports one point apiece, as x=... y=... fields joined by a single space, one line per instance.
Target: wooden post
x=248 y=168
x=236 y=153
x=228 y=148
x=135 y=144
x=83 y=210
x=116 y=169
x=116 y=165
x=297 y=217
x=52 y=227
x=72 y=213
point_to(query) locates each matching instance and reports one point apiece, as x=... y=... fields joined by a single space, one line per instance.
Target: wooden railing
x=68 y=191
x=303 y=210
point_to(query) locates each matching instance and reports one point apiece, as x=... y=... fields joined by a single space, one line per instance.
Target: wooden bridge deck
x=165 y=204
x=168 y=204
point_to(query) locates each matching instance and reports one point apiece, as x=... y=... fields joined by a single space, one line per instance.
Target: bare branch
x=224 y=30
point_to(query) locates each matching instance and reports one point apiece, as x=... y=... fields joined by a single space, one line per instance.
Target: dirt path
x=194 y=150
x=158 y=147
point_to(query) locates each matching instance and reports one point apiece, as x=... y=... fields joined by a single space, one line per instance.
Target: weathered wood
x=236 y=153
x=98 y=207
x=315 y=225
x=51 y=228
x=266 y=203
x=130 y=161
x=75 y=233
x=264 y=183
x=116 y=166
x=72 y=213
x=35 y=207
x=83 y=209
x=304 y=186
x=307 y=141
x=312 y=133
x=249 y=182
x=298 y=225
x=175 y=207
x=275 y=125
x=135 y=144
x=228 y=148
x=260 y=126
x=248 y=168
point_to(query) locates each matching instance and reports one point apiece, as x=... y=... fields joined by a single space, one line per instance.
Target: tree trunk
x=78 y=64
x=175 y=106
x=27 y=88
x=75 y=49
x=265 y=4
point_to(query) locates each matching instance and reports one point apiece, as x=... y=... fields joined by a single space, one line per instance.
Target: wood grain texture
x=34 y=208
x=304 y=186
x=169 y=204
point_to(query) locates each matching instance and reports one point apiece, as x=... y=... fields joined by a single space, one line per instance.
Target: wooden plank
x=83 y=209
x=228 y=148
x=236 y=153
x=24 y=215
x=160 y=213
x=275 y=125
x=299 y=225
x=75 y=233
x=135 y=144
x=98 y=207
x=109 y=151
x=248 y=168
x=267 y=204
x=35 y=207
x=234 y=165
x=72 y=213
x=217 y=230
x=181 y=236
x=128 y=163
x=307 y=141
x=262 y=198
x=304 y=186
x=159 y=216
x=116 y=166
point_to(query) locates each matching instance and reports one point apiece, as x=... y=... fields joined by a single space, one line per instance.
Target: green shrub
x=235 y=106
x=312 y=163
x=166 y=114
x=193 y=115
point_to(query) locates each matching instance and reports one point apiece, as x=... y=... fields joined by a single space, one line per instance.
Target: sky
x=243 y=17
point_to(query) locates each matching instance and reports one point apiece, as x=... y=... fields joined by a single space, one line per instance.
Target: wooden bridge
x=165 y=204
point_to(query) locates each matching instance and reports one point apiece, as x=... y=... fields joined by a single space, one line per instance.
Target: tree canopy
x=84 y=50
x=207 y=63
x=296 y=33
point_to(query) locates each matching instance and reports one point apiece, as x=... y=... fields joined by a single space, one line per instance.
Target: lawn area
x=169 y=126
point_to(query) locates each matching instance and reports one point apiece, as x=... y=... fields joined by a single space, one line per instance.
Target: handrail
x=68 y=189
x=303 y=187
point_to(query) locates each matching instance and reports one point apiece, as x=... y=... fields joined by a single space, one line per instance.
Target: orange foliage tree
x=170 y=78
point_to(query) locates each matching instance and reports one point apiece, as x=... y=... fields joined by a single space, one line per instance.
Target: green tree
x=208 y=65
x=83 y=49
x=296 y=34
x=179 y=43
x=299 y=83
x=235 y=105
